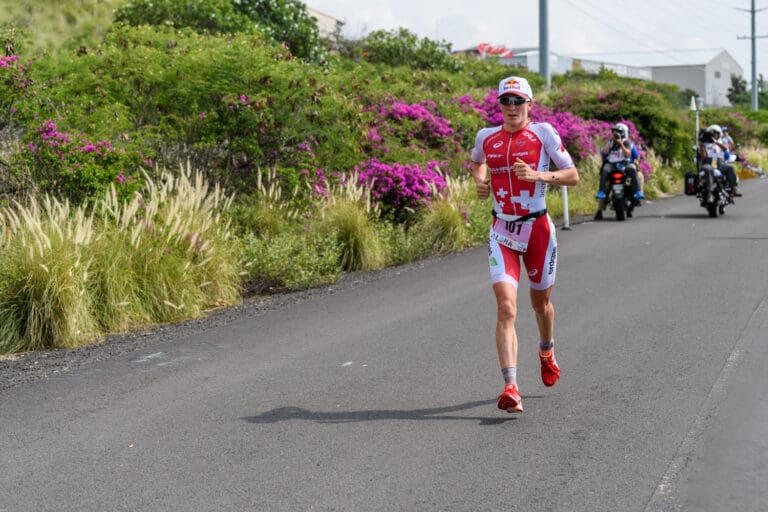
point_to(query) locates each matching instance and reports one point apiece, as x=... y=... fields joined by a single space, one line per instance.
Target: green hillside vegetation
x=50 y=26
x=163 y=165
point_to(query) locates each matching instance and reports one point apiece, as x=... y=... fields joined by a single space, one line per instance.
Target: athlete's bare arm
x=567 y=177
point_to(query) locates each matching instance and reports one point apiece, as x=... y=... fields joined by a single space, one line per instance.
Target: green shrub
x=289 y=260
x=209 y=16
x=283 y=21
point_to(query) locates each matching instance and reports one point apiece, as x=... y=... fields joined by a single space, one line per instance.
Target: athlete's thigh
x=541 y=257
x=504 y=263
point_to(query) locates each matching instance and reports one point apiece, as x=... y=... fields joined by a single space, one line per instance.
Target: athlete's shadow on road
x=436 y=413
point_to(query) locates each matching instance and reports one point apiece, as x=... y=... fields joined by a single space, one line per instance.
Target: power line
x=622 y=32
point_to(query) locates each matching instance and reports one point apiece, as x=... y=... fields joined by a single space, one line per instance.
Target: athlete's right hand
x=483 y=188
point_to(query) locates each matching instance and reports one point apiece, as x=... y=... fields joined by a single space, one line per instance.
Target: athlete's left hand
x=524 y=172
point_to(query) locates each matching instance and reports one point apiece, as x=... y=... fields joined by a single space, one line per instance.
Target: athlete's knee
x=506 y=309
x=541 y=304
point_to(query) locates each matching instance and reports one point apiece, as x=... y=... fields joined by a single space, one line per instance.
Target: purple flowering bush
x=400 y=190
x=76 y=168
x=16 y=84
x=412 y=130
x=661 y=126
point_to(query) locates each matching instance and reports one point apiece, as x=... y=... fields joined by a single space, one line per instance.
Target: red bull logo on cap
x=515 y=85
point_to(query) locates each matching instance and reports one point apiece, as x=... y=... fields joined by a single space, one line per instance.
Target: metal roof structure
x=656 y=59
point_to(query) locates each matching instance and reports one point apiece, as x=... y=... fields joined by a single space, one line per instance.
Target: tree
x=404 y=48
x=283 y=21
x=737 y=92
x=211 y=16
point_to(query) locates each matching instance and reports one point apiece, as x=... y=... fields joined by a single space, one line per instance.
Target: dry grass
x=69 y=275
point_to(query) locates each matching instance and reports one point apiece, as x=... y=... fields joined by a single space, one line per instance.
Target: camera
x=706 y=137
x=617 y=135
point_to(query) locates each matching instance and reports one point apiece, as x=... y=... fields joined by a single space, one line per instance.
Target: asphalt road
x=381 y=397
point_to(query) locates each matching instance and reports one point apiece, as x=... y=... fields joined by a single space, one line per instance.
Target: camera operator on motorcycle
x=619 y=149
x=713 y=150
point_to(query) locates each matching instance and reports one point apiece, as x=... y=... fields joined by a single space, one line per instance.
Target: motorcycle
x=710 y=187
x=618 y=193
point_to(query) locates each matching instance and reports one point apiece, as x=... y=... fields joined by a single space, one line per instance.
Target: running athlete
x=517 y=157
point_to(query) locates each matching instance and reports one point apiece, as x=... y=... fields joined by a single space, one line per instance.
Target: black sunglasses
x=512 y=100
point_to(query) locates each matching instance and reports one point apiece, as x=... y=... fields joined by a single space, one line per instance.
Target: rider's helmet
x=715 y=130
x=621 y=129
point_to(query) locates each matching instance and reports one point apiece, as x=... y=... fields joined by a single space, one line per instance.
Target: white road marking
x=149 y=357
x=665 y=496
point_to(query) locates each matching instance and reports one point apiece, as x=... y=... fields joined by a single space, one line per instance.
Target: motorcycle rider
x=712 y=149
x=619 y=149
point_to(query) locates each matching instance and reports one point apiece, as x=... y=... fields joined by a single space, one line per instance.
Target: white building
x=528 y=58
x=328 y=26
x=559 y=65
x=708 y=72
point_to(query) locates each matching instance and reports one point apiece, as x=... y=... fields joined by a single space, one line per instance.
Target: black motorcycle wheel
x=618 y=205
x=600 y=208
x=721 y=209
x=712 y=209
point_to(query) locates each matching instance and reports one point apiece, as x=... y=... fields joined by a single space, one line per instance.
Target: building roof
x=668 y=58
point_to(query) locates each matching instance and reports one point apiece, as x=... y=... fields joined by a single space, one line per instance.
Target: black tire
x=600 y=208
x=721 y=209
x=618 y=205
x=712 y=209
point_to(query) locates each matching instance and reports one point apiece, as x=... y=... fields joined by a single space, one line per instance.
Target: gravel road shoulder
x=17 y=369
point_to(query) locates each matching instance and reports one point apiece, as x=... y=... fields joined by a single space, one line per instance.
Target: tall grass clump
x=347 y=215
x=69 y=275
x=265 y=212
x=667 y=179
x=44 y=270
x=445 y=226
x=167 y=255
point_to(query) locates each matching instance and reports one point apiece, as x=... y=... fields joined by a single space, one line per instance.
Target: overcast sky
x=575 y=26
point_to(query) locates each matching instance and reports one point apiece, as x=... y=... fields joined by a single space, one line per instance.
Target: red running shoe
x=550 y=372
x=510 y=400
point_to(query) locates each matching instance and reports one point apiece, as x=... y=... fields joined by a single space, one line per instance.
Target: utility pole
x=752 y=12
x=544 y=72
x=544 y=43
